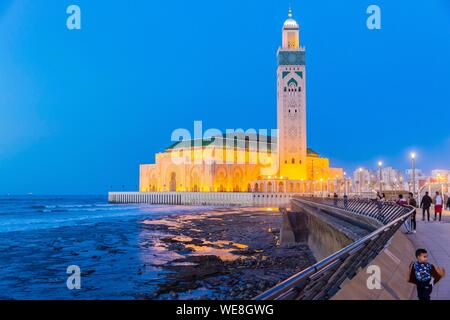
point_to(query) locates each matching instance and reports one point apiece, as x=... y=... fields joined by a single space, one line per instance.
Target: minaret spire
x=290 y=11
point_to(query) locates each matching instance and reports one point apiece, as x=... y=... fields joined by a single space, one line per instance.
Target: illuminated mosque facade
x=250 y=161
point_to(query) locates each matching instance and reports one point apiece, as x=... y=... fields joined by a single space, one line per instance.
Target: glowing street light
x=413 y=167
x=380 y=167
x=360 y=180
x=321 y=186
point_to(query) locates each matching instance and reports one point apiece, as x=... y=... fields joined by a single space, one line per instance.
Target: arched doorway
x=237 y=180
x=256 y=188
x=173 y=182
x=281 y=187
x=195 y=181
x=221 y=180
x=291 y=188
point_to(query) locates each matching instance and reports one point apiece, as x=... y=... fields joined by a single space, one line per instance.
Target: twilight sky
x=80 y=110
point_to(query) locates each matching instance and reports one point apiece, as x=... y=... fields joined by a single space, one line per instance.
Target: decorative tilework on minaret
x=291 y=109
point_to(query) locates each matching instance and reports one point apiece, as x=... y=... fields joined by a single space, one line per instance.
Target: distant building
x=419 y=176
x=441 y=175
x=392 y=179
x=364 y=180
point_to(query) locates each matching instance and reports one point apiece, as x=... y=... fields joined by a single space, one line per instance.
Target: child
x=422 y=273
x=402 y=201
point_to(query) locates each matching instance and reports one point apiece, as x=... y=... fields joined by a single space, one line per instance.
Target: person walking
x=335 y=199
x=425 y=204
x=438 y=206
x=448 y=201
x=378 y=196
x=413 y=203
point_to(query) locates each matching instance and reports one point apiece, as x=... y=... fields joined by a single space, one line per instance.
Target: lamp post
x=345 y=184
x=337 y=185
x=321 y=186
x=360 y=180
x=380 y=167
x=413 y=167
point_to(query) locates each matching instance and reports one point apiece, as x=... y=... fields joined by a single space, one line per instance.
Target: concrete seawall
x=326 y=232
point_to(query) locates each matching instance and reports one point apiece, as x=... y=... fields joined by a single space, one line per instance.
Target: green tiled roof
x=210 y=141
x=183 y=144
x=312 y=153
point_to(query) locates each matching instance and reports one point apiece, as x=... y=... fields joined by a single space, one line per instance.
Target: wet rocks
x=234 y=255
x=195 y=267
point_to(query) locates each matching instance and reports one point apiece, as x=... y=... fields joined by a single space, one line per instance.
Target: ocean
x=41 y=236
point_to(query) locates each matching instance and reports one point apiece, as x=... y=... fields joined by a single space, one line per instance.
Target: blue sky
x=80 y=110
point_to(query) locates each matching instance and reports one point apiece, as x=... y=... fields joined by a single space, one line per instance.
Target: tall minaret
x=291 y=78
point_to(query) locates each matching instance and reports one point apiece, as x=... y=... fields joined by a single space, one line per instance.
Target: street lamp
x=413 y=167
x=380 y=167
x=337 y=186
x=345 y=184
x=360 y=180
x=321 y=186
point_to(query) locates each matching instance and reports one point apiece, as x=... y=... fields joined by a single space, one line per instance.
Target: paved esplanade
x=435 y=238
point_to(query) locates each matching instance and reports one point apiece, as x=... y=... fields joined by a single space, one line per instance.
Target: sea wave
x=49 y=216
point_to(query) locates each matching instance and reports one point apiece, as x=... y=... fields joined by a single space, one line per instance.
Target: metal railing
x=323 y=280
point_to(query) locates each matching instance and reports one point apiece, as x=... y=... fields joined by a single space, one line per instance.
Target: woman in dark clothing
x=412 y=202
x=448 y=203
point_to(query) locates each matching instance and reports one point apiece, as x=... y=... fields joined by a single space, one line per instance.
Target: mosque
x=251 y=161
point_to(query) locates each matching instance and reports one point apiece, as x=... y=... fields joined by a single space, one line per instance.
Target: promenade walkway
x=435 y=238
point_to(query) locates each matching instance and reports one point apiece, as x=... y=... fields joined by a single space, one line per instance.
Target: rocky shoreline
x=151 y=253
x=222 y=254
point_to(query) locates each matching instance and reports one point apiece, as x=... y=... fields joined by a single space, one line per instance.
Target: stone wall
x=204 y=198
x=324 y=233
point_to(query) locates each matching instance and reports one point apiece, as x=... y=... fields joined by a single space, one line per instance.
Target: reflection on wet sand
x=231 y=254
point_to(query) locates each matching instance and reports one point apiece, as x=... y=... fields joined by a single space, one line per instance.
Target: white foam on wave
x=54 y=218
